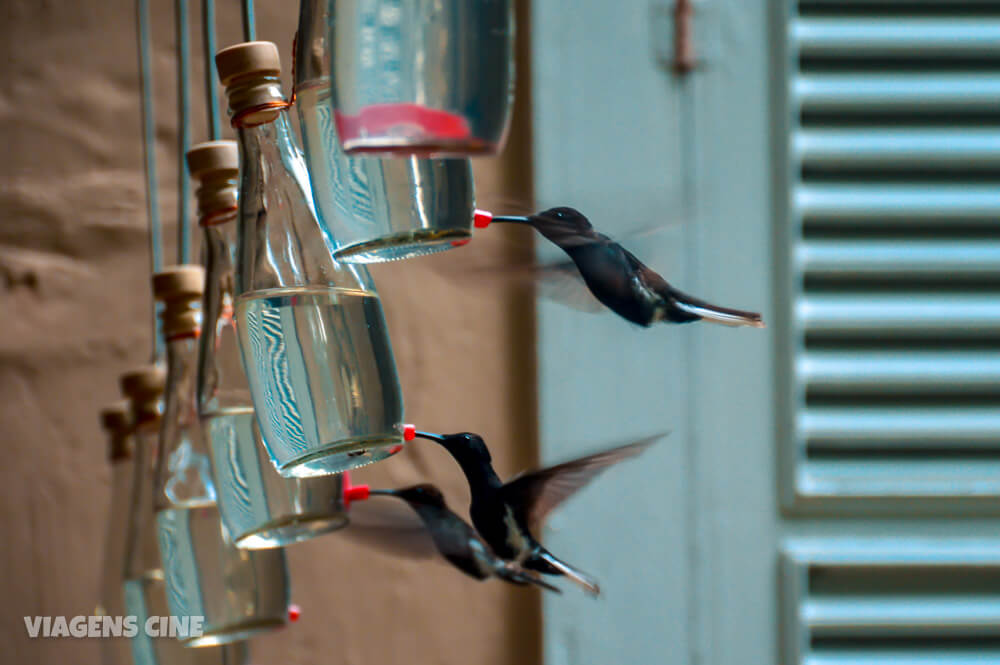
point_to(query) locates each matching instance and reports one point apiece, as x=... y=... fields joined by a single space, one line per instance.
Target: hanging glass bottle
x=238 y=592
x=313 y=338
x=145 y=591
x=259 y=507
x=422 y=76
x=377 y=210
x=116 y=422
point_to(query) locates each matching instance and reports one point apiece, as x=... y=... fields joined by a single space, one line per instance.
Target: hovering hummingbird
x=506 y=514
x=457 y=541
x=619 y=280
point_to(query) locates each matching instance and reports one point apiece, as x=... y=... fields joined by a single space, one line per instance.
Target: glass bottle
x=422 y=76
x=145 y=591
x=115 y=420
x=259 y=507
x=238 y=592
x=377 y=210
x=313 y=338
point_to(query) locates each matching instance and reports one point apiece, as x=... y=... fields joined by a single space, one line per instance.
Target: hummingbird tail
x=579 y=578
x=523 y=577
x=714 y=313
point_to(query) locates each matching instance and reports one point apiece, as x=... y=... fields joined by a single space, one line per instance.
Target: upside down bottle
x=422 y=76
x=116 y=422
x=239 y=593
x=312 y=334
x=145 y=591
x=377 y=210
x=259 y=507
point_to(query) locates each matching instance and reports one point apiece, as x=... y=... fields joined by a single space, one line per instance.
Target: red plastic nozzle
x=482 y=218
x=353 y=492
x=409 y=432
x=294 y=612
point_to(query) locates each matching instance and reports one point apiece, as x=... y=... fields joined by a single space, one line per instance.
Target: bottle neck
x=311 y=58
x=272 y=140
x=183 y=475
x=140 y=552
x=220 y=384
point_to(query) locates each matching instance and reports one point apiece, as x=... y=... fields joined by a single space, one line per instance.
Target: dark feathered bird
x=457 y=541
x=622 y=282
x=507 y=514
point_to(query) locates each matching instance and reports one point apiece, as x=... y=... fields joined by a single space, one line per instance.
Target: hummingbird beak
x=382 y=492
x=429 y=436
x=512 y=220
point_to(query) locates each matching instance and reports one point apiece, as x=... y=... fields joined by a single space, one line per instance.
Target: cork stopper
x=215 y=165
x=213 y=157
x=250 y=72
x=143 y=387
x=180 y=289
x=116 y=421
x=114 y=417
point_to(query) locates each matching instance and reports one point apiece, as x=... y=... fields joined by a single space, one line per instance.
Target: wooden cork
x=143 y=387
x=215 y=165
x=115 y=419
x=180 y=289
x=213 y=158
x=250 y=72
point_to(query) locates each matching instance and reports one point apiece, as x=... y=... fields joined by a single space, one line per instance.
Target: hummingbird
x=507 y=514
x=457 y=541
x=619 y=280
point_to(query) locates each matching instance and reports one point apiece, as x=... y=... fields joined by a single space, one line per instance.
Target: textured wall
x=75 y=310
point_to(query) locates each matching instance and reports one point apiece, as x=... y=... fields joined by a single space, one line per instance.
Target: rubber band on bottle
x=237 y=120
x=217 y=216
x=195 y=334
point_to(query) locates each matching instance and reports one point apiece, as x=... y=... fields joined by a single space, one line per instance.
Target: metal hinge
x=681 y=40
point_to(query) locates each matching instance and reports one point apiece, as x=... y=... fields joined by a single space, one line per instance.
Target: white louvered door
x=894 y=252
x=889 y=436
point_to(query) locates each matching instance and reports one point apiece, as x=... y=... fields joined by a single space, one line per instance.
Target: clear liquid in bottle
x=376 y=210
x=238 y=592
x=320 y=360
x=262 y=509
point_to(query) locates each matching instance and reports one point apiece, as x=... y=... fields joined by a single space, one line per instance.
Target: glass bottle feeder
x=145 y=592
x=239 y=593
x=376 y=210
x=421 y=76
x=116 y=422
x=259 y=507
x=312 y=335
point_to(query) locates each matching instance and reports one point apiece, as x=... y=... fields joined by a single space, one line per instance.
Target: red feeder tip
x=409 y=432
x=482 y=218
x=294 y=612
x=460 y=243
x=356 y=493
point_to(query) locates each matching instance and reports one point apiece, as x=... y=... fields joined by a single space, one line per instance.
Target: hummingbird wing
x=391 y=527
x=536 y=494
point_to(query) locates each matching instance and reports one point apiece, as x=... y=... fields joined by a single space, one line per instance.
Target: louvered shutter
x=893 y=259
x=912 y=602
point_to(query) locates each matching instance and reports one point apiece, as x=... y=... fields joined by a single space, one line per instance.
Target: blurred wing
x=562 y=283
x=534 y=495
x=391 y=526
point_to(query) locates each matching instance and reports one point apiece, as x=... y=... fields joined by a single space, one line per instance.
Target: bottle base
x=290 y=530
x=343 y=456
x=405 y=245
x=230 y=634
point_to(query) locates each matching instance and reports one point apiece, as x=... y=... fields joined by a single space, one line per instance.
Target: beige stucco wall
x=75 y=313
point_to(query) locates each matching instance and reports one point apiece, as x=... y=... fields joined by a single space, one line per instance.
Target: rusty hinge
x=683 y=37
x=684 y=34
